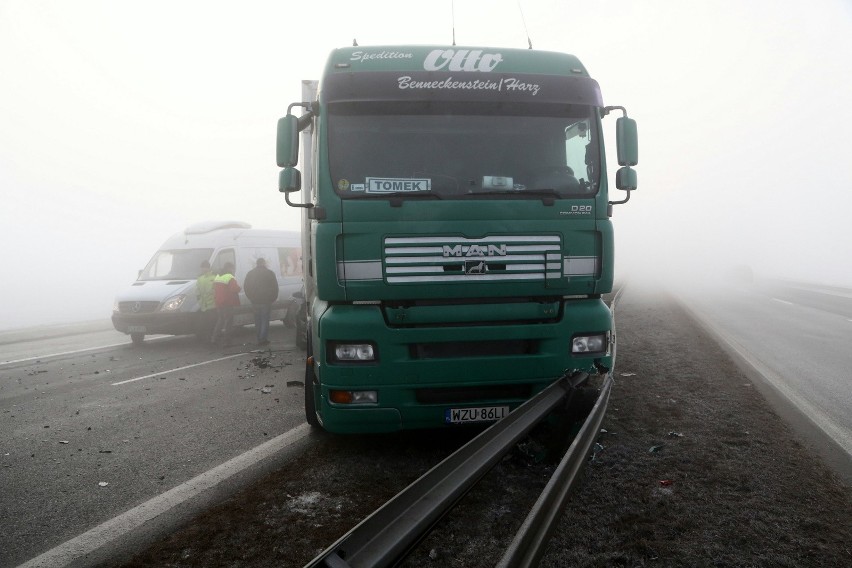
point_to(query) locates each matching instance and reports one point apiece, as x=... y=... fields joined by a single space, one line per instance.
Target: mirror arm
x=606 y=110
x=305 y=205
x=625 y=200
x=305 y=119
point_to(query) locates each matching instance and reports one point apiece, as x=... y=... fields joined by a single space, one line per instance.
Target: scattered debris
x=64 y=442
x=267 y=389
x=674 y=434
x=665 y=482
x=103 y=483
x=295 y=384
x=655 y=449
x=628 y=374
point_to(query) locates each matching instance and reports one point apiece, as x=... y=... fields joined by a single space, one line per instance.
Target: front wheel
x=137 y=338
x=302 y=329
x=310 y=407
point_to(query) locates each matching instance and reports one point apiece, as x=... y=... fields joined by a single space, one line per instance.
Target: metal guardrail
x=387 y=536
x=528 y=546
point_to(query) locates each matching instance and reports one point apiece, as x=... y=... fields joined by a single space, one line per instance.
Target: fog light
x=589 y=343
x=353 y=397
x=354 y=352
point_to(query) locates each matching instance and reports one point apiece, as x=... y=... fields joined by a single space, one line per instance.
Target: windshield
x=184 y=264
x=461 y=151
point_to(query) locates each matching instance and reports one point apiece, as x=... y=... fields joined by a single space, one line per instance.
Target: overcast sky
x=123 y=122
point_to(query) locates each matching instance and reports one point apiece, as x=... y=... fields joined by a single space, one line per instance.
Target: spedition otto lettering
x=369 y=56
x=461 y=60
x=393 y=185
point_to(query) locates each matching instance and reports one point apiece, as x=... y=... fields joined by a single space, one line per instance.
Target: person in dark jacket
x=261 y=287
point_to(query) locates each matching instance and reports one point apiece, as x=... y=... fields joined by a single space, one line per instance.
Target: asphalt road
x=797 y=337
x=91 y=426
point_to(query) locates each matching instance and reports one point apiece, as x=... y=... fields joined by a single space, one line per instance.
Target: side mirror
x=287 y=148
x=625 y=178
x=627 y=141
x=289 y=180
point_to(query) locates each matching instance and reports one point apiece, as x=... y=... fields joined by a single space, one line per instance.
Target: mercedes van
x=163 y=299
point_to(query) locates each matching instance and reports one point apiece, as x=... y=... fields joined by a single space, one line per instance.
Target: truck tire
x=137 y=338
x=310 y=409
x=301 y=330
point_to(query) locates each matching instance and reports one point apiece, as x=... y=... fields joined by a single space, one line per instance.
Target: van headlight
x=173 y=304
x=361 y=352
x=591 y=344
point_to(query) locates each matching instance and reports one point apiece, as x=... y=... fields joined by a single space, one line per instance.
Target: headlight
x=590 y=344
x=352 y=352
x=173 y=304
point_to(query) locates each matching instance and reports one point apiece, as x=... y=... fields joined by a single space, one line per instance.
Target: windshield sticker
x=394 y=185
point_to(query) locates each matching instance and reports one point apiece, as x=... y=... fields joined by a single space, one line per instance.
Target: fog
x=121 y=123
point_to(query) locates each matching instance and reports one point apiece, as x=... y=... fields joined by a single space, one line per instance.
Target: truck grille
x=459 y=259
x=137 y=307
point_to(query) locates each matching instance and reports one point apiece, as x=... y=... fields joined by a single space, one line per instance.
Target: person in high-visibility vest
x=206 y=301
x=226 y=292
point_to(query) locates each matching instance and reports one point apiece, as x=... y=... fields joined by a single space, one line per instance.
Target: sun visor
x=460 y=87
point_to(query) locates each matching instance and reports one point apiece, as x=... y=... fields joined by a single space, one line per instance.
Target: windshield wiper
x=396 y=198
x=547 y=195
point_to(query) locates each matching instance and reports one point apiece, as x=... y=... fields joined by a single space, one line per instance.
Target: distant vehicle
x=163 y=299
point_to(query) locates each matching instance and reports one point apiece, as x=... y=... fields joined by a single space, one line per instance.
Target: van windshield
x=184 y=264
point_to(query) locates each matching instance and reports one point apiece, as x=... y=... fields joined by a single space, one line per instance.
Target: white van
x=163 y=299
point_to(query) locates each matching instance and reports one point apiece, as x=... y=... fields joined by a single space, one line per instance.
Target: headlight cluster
x=351 y=352
x=173 y=304
x=590 y=344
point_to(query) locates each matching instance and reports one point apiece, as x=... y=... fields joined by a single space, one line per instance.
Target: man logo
x=137 y=306
x=474 y=250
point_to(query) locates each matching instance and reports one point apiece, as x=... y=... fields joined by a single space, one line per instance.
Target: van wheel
x=137 y=338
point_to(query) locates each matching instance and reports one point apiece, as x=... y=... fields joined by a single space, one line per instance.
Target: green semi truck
x=456 y=234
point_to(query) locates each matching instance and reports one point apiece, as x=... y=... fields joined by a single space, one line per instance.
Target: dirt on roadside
x=692 y=468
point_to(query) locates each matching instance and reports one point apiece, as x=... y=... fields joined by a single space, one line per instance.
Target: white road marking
x=103 y=534
x=63 y=353
x=178 y=369
x=809 y=410
x=783 y=302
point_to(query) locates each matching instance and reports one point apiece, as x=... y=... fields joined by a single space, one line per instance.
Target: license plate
x=475 y=414
x=136 y=329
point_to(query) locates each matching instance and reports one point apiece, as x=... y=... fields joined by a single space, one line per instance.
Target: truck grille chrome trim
x=500 y=258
